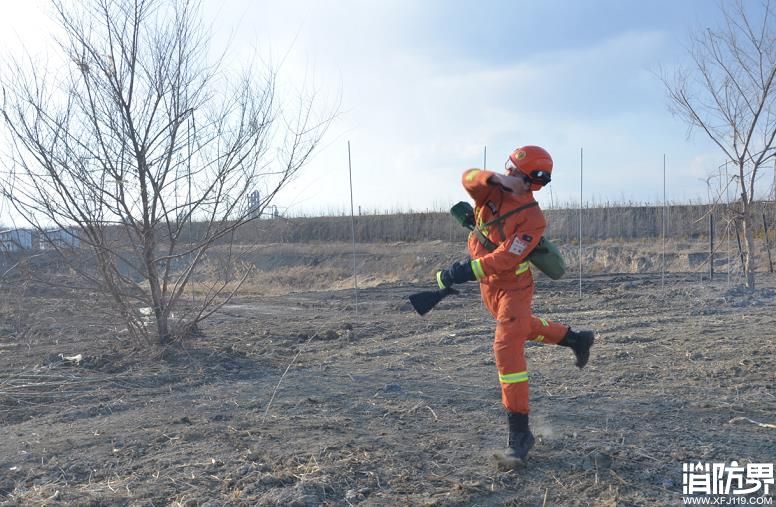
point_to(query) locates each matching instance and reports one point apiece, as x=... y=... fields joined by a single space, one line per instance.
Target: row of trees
x=606 y=222
x=137 y=127
x=682 y=222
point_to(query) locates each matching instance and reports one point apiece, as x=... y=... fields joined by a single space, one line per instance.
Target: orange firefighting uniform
x=506 y=282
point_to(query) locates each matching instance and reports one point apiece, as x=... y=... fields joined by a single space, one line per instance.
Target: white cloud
x=417 y=117
x=417 y=124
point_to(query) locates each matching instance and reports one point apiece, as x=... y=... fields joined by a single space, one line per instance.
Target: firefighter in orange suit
x=506 y=281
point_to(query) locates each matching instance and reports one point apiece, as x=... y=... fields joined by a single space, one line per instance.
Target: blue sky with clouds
x=424 y=85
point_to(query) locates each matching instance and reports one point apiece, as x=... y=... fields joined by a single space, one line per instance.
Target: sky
x=424 y=87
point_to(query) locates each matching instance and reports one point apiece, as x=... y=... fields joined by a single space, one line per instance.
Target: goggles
x=537 y=177
x=540 y=177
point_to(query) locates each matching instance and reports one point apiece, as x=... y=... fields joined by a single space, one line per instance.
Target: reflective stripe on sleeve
x=439 y=280
x=479 y=273
x=539 y=338
x=472 y=174
x=544 y=322
x=513 y=378
x=523 y=267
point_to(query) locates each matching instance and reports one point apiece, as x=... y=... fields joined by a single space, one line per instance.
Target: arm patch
x=518 y=246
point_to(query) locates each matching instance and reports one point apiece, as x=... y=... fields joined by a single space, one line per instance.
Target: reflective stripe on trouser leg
x=546 y=331
x=508 y=348
x=540 y=338
x=513 y=378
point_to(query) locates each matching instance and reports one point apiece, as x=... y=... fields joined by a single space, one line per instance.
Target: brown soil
x=299 y=399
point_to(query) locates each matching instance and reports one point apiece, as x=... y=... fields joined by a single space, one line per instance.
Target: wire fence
x=606 y=222
x=698 y=238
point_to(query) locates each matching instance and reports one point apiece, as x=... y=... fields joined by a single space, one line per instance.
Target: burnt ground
x=381 y=406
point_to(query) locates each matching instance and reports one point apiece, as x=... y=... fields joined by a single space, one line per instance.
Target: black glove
x=460 y=272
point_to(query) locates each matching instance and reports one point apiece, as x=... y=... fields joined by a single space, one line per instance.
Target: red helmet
x=533 y=162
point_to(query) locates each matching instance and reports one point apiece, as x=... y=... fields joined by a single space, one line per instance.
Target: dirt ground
x=304 y=399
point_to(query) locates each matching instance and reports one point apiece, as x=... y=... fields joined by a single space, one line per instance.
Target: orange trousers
x=515 y=324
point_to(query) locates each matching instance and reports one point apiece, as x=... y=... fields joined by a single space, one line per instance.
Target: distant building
x=254 y=204
x=15 y=240
x=60 y=238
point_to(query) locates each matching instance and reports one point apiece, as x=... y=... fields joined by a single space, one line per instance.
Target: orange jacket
x=506 y=267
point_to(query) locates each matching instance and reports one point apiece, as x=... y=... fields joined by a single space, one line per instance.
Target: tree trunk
x=159 y=311
x=747 y=221
x=157 y=299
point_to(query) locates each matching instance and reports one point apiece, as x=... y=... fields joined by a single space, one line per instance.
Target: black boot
x=520 y=437
x=580 y=342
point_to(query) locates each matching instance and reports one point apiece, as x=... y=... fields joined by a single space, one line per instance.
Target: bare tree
x=728 y=92
x=146 y=152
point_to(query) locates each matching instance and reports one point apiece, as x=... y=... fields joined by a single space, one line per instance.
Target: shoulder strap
x=510 y=213
x=484 y=240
